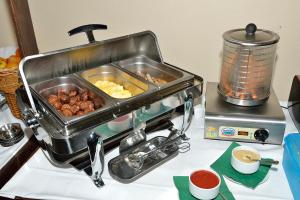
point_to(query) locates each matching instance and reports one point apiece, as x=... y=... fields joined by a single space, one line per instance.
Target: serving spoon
x=264 y=161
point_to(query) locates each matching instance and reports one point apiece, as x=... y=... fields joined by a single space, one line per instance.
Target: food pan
x=150 y=70
x=69 y=83
x=114 y=74
x=123 y=170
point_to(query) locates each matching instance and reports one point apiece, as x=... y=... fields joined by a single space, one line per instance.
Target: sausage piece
x=84 y=105
x=61 y=92
x=67 y=112
x=70 y=102
x=84 y=96
x=64 y=99
x=74 y=109
x=98 y=102
x=72 y=93
x=74 y=99
x=91 y=95
x=90 y=105
x=65 y=106
x=57 y=105
x=80 y=113
x=52 y=99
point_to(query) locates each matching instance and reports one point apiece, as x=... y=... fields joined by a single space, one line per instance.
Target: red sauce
x=204 y=179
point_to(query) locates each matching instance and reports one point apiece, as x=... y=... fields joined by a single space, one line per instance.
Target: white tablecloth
x=8 y=152
x=39 y=179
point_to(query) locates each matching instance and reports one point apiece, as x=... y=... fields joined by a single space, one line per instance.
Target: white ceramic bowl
x=153 y=109
x=202 y=193
x=244 y=167
x=120 y=124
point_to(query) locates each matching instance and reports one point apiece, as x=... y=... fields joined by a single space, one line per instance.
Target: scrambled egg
x=113 y=89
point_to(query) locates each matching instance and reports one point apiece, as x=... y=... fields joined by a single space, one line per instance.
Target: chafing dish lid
x=71 y=60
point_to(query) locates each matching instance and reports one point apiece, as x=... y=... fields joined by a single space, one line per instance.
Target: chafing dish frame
x=63 y=149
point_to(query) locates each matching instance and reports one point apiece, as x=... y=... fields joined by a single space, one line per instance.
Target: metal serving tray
x=142 y=65
x=112 y=73
x=121 y=169
x=43 y=89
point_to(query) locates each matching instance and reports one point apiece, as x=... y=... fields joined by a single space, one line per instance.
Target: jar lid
x=251 y=36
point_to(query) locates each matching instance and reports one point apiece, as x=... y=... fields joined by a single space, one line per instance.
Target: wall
x=189 y=32
x=7 y=35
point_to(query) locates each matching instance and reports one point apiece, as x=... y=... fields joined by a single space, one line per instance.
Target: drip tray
x=127 y=167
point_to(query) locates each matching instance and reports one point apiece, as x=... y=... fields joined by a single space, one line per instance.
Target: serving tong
x=136 y=159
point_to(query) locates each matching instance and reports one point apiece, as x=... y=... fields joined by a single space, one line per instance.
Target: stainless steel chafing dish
x=77 y=140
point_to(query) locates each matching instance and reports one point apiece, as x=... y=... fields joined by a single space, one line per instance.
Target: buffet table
x=39 y=179
x=7 y=117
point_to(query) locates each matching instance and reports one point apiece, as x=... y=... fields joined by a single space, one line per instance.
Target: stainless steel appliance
x=73 y=137
x=225 y=121
x=248 y=62
x=243 y=106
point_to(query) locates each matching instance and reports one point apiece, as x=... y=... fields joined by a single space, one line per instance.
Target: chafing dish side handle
x=96 y=151
x=88 y=29
x=188 y=113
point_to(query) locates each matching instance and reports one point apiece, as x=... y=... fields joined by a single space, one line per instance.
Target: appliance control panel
x=242 y=133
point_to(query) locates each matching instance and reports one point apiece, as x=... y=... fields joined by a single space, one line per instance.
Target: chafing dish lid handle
x=88 y=29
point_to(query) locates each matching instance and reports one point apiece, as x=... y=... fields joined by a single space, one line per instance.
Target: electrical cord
x=287 y=107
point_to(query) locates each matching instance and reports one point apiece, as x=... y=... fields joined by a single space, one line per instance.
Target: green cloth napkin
x=182 y=184
x=223 y=166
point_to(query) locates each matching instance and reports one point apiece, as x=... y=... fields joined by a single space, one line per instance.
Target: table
x=12 y=158
x=40 y=179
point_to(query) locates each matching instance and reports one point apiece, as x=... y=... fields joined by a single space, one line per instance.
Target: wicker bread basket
x=9 y=82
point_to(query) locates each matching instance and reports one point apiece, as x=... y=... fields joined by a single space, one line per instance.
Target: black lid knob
x=251 y=29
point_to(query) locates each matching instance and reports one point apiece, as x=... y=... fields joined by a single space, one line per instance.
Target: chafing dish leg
x=96 y=151
x=188 y=114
